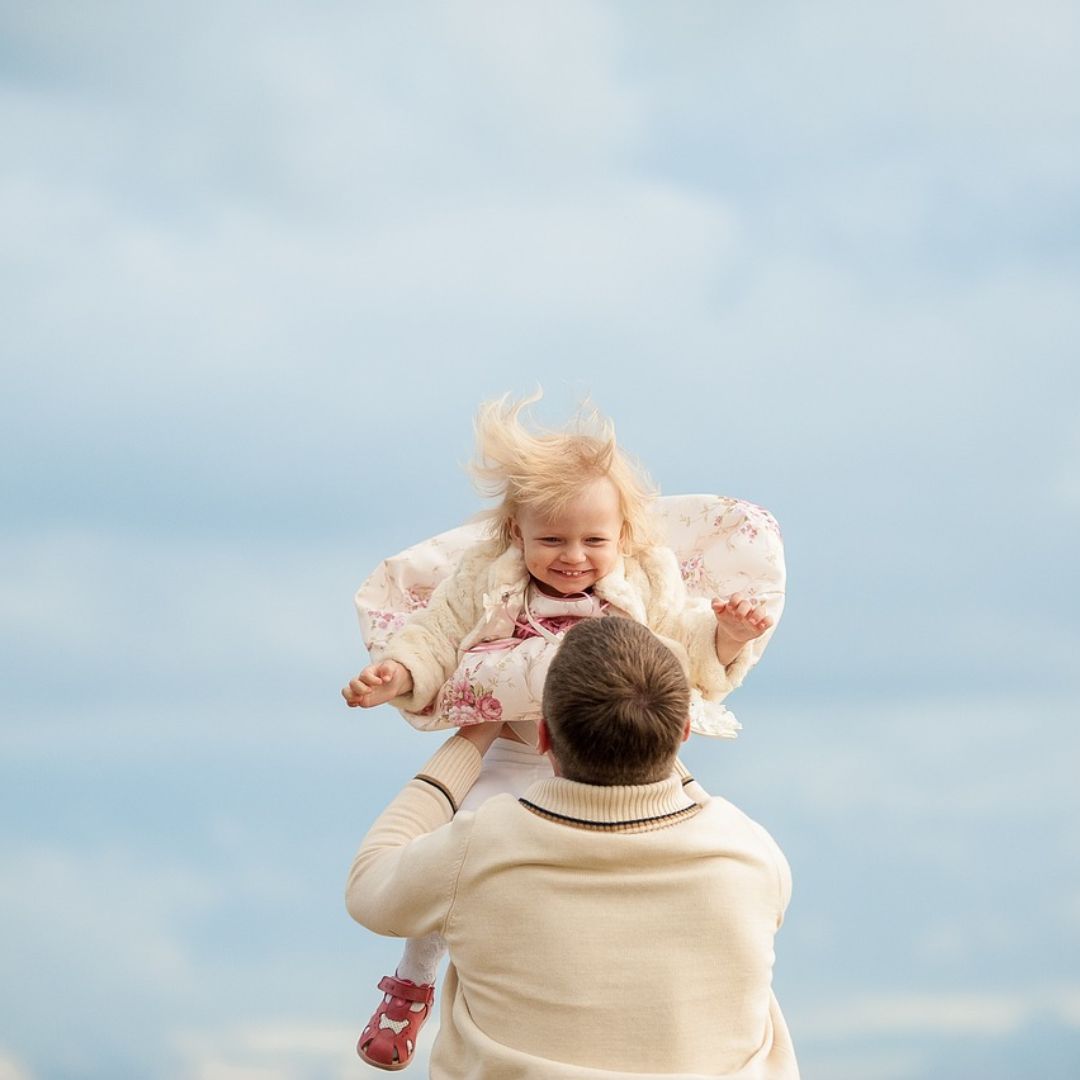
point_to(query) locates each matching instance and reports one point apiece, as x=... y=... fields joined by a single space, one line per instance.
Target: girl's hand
x=481 y=735
x=376 y=684
x=739 y=619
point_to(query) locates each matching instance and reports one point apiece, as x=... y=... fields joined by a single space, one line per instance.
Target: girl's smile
x=571 y=551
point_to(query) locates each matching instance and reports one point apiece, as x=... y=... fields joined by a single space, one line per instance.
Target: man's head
x=616 y=704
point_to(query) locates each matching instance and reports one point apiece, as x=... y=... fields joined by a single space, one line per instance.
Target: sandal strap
x=403 y=988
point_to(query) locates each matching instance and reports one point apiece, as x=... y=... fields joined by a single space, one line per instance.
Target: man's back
x=621 y=929
x=606 y=926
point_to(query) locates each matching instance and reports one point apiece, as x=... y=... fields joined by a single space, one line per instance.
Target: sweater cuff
x=425 y=688
x=426 y=678
x=715 y=680
x=743 y=662
x=711 y=677
x=453 y=769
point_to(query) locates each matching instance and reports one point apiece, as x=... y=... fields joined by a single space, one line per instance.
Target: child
x=570 y=540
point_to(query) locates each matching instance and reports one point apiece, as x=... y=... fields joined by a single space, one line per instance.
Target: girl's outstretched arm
x=739 y=619
x=376 y=684
x=427 y=646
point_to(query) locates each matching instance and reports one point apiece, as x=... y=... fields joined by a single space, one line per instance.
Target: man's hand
x=739 y=619
x=376 y=684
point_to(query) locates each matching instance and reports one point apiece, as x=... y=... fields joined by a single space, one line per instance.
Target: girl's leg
x=419 y=961
x=508 y=767
x=389 y=1040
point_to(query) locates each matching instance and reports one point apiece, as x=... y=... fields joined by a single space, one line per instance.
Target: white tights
x=508 y=767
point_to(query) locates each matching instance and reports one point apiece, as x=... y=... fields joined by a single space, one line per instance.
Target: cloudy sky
x=260 y=262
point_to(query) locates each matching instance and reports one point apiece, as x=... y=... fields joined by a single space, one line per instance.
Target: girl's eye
x=596 y=540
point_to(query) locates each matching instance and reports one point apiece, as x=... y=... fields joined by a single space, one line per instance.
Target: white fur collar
x=508 y=575
x=508 y=572
x=617 y=589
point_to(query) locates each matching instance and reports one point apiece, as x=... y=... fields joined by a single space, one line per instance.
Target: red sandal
x=389 y=1040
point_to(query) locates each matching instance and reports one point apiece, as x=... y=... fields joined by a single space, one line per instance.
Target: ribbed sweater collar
x=622 y=805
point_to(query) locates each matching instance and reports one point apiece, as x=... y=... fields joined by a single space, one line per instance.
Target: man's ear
x=686 y=729
x=543 y=737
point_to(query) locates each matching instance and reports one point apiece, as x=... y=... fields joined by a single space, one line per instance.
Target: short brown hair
x=616 y=701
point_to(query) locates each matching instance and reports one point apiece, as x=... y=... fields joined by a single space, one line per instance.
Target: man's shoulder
x=493 y=812
x=492 y=830
x=718 y=812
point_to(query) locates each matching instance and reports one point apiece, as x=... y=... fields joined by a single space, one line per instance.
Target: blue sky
x=259 y=263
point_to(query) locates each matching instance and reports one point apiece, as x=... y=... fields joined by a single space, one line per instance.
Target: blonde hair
x=545 y=470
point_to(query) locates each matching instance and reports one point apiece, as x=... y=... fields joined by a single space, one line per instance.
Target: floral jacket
x=481 y=600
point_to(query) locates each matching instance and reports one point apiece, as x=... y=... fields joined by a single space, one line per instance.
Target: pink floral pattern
x=417 y=597
x=692 y=570
x=387 y=620
x=382 y=625
x=465 y=701
x=459 y=705
x=489 y=709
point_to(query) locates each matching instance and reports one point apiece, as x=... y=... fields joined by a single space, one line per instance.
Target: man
x=606 y=924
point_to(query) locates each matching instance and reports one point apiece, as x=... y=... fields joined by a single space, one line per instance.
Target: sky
x=259 y=263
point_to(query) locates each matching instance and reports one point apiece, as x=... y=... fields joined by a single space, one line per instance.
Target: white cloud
x=969 y=1013
x=814 y=75
x=886 y=1063
x=917 y=759
x=958 y=943
x=620 y=247
x=10 y=1069
x=335 y=108
x=1068 y=1007
x=178 y=611
x=1065 y=471
x=554 y=72
x=168 y=944
x=286 y=1050
x=88 y=925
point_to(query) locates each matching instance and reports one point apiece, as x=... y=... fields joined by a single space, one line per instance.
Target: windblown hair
x=616 y=701
x=546 y=470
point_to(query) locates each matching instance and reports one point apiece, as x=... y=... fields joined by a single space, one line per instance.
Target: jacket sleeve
x=690 y=622
x=428 y=643
x=403 y=878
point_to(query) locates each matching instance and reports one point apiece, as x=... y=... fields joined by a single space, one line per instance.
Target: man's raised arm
x=401 y=881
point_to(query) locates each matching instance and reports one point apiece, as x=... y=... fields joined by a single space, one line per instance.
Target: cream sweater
x=648 y=919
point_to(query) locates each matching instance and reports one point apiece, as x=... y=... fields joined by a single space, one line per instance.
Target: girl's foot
x=389 y=1040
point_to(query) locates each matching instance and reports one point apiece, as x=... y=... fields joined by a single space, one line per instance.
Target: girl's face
x=572 y=551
